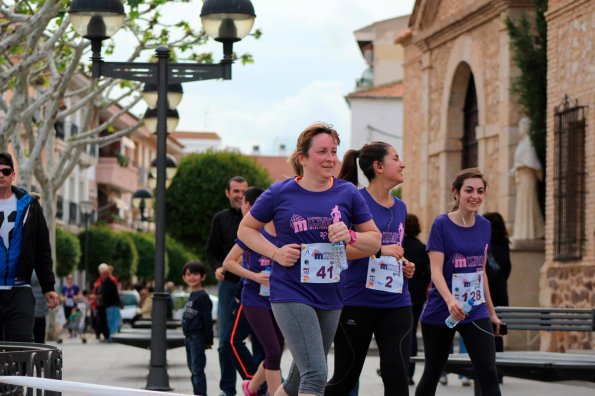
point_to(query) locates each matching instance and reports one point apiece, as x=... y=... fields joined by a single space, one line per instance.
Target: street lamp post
x=140 y=200
x=86 y=210
x=226 y=21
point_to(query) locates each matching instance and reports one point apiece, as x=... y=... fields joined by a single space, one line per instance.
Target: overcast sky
x=305 y=63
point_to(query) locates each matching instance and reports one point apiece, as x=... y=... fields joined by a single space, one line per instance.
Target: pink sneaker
x=246 y=389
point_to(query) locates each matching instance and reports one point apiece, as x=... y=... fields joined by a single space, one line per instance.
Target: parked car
x=129 y=300
x=179 y=298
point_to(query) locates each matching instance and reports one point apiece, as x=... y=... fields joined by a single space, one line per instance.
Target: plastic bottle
x=452 y=322
x=265 y=291
x=339 y=254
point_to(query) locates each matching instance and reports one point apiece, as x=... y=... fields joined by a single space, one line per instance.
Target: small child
x=197 y=324
x=74 y=322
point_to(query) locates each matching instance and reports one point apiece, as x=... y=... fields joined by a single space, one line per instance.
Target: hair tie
x=357 y=153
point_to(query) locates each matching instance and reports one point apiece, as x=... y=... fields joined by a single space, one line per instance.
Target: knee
x=313 y=381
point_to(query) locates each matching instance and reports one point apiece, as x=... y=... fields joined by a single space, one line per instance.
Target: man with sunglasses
x=24 y=247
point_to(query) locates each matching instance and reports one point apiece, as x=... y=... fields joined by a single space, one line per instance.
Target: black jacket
x=224 y=231
x=36 y=251
x=197 y=318
x=415 y=251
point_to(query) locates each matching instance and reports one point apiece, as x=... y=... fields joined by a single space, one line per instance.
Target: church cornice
x=478 y=14
x=563 y=9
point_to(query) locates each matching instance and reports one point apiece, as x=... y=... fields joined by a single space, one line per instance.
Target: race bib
x=318 y=265
x=468 y=286
x=385 y=274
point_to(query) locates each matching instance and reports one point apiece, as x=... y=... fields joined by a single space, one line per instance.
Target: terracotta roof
x=196 y=135
x=390 y=90
x=277 y=166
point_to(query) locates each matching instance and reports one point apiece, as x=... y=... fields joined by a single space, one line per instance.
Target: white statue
x=528 y=220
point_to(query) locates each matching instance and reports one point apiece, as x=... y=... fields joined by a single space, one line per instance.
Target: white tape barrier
x=78 y=388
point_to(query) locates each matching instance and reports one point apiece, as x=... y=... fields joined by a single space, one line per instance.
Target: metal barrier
x=30 y=360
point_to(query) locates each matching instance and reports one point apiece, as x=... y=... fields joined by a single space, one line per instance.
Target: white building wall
x=377 y=119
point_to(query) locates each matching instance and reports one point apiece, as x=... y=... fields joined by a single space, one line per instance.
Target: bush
x=68 y=252
x=145 y=245
x=177 y=256
x=197 y=192
x=114 y=248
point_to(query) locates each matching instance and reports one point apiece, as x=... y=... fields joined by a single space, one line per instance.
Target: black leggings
x=392 y=330
x=479 y=340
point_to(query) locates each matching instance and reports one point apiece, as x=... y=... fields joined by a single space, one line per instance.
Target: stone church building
x=459 y=112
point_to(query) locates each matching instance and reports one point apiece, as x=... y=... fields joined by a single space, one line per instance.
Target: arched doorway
x=470 y=122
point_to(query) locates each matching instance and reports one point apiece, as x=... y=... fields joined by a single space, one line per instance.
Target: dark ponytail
x=349 y=168
x=371 y=152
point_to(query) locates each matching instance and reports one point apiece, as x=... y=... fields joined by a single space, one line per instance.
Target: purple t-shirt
x=391 y=223
x=465 y=250
x=301 y=216
x=69 y=292
x=255 y=262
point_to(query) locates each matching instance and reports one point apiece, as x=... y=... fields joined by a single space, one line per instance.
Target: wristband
x=353 y=235
x=379 y=252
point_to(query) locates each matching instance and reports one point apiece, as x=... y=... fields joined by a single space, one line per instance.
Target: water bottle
x=339 y=254
x=452 y=322
x=265 y=291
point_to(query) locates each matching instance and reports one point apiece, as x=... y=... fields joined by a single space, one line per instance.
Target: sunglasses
x=6 y=171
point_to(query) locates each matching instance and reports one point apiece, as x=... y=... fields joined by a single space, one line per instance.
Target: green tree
x=197 y=192
x=114 y=248
x=40 y=54
x=529 y=43
x=178 y=255
x=68 y=252
x=145 y=246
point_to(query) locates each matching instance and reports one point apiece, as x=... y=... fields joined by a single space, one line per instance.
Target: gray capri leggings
x=309 y=333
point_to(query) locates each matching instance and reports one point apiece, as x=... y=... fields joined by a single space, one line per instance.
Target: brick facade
x=450 y=40
x=571 y=71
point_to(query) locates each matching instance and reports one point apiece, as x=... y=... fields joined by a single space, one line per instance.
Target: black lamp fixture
x=150 y=119
x=174 y=95
x=141 y=200
x=171 y=168
x=227 y=21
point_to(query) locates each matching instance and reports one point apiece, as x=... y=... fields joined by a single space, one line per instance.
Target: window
x=59 y=207
x=569 y=180
x=59 y=127
x=72 y=213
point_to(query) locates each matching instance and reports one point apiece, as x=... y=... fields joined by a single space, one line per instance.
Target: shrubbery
x=68 y=252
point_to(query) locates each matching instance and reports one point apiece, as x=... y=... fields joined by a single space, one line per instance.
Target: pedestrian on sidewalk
x=197 y=324
x=26 y=247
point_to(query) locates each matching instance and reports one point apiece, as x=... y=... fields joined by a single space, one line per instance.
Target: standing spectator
x=222 y=235
x=41 y=310
x=415 y=251
x=26 y=241
x=109 y=300
x=458 y=249
x=197 y=324
x=310 y=213
x=68 y=294
x=498 y=266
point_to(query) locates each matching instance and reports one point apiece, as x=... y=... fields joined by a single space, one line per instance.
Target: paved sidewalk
x=120 y=365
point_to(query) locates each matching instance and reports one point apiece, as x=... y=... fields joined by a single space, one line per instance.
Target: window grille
x=569 y=179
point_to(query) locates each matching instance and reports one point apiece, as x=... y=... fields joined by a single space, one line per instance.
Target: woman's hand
x=456 y=309
x=287 y=255
x=261 y=278
x=338 y=232
x=496 y=322
x=408 y=268
x=392 y=250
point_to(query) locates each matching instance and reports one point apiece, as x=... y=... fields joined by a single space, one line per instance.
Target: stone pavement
x=120 y=365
